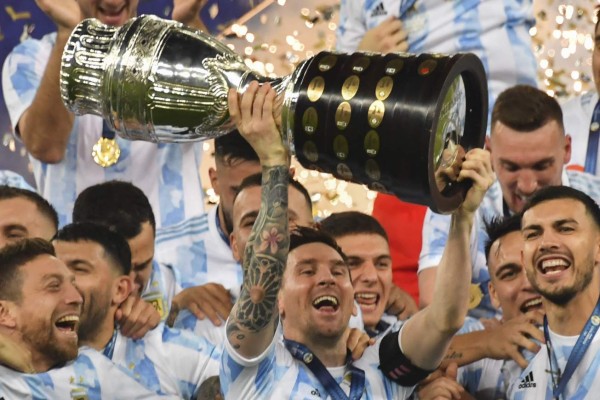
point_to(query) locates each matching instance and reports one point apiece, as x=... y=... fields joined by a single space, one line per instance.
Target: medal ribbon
x=110 y=347
x=357 y=385
x=591 y=155
x=583 y=342
x=107 y=133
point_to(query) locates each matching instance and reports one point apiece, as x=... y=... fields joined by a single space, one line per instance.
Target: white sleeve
x=435 y=236
x=352 y=26
x=22 y=74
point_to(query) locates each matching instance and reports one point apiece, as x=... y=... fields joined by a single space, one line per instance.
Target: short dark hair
x=352 y=223
x=565 y=192
x=256 y=180
x=525 y=109
x=302 y=235
x=12 y=257
x=44 y=207
x=119 y=205
x=233 y=147
x=114 y=245
x=498 y=227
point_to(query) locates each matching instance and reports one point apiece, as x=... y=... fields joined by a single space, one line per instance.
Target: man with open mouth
x=40 y=308
x=302 y=281
x=529 y=149
x=164 y=360
x=490 y=358
x=365 y=244
x=561 y=230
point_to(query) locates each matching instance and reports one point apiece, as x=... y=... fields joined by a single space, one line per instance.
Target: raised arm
x=426 y=336
x=253 y=319
x=188 y=13
x=46 y=125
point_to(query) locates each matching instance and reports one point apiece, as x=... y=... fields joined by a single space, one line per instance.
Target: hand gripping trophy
x=392 y=122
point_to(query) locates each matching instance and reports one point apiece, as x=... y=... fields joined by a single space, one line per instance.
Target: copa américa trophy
x=387 y=121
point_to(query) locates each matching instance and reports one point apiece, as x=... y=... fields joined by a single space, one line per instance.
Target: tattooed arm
x=253 y=319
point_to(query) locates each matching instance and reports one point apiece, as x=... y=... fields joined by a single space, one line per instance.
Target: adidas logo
x=378 y=11
x=527 y=382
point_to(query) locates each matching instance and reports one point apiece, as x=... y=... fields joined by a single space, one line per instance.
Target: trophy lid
x=82 y=68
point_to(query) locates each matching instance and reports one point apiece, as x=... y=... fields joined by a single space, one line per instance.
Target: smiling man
x=561 y=229
x=529 y=150
x=365 y=244
x=134 y=219
x=164 y=360
x=492 y=357
x=39 y=310
x=303 y=281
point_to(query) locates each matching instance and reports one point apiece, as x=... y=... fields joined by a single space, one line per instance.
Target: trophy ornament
x=399 y=123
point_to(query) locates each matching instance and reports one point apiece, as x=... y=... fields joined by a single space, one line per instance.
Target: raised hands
x=210 y=301
x=400 y=304
x=66 y=14
x=188 y=13
x=441 y=385
x=253 y=115
x=387 y=37
x=509 y=338
x=136 y=317
x=477 y=167
x=357 y=342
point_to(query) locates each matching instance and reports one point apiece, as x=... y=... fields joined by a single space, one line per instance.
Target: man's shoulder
x=587 y=183
x=32 y=46
x=580 y=103
x=190 y=229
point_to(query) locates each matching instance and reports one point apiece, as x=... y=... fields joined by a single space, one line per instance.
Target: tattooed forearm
x=264 y=260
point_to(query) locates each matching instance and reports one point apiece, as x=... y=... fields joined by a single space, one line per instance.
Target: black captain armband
x=395 y=365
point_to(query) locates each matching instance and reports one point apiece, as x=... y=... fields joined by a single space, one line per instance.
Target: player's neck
x=331 y=351
x=569 y=319
x=102 y=335
x=222 y=224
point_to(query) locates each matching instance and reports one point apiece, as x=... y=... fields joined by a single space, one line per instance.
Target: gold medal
x=475 y=295
x=106 y=152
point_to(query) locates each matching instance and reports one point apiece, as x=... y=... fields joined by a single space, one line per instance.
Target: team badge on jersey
x=158 y=302
x=79 y=394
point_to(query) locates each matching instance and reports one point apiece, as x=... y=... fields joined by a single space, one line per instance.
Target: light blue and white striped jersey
x=277 y=375
x=91 y=376
x=199 y=254
x=497 y=31
x=535 y=382
x=577 y=116
x=215 y=335
x=487 y=379
x=166 y=172
x=436 y=226
x=167 y=361
x=13 y=179
x=197 y=250
x=162 y=286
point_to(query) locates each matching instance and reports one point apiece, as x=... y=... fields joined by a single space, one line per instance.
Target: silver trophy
x=399 y=123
